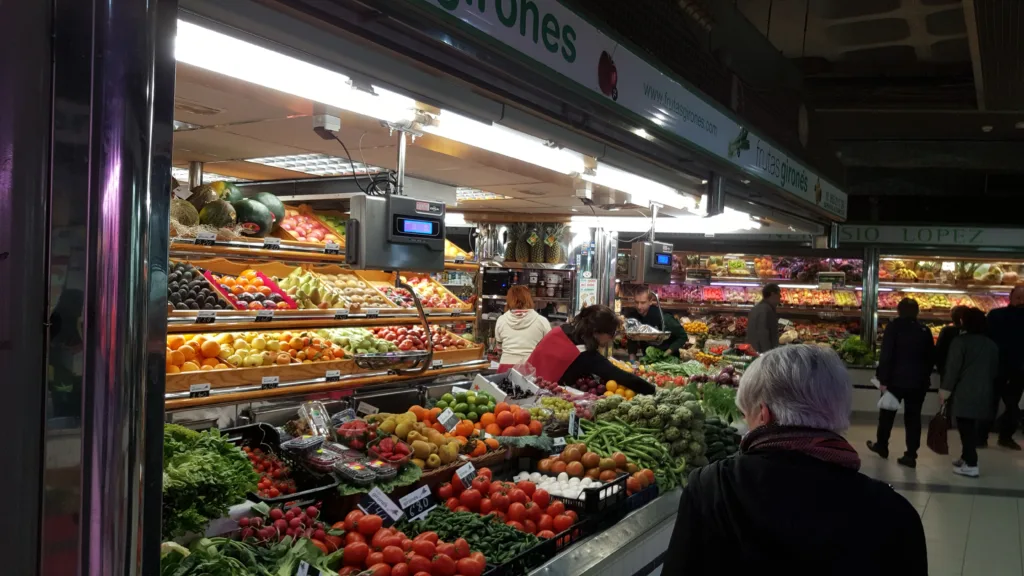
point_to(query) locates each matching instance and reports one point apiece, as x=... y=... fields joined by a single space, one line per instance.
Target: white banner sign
x=933 y=236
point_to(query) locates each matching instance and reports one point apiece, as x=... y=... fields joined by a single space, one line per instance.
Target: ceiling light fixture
x=1019 y=125
x=236 y=58
x=181 y=175
x=986 y=128
x=642 y=191
x=316 y=164
x=472 y=194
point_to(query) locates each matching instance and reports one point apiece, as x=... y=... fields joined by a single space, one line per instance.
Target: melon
x=203 y=195
x=227 y=191
x=184 y=212
x=272 y=203
x=254 y=218
x=218 y=213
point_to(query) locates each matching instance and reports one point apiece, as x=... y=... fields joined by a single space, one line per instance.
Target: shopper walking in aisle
x=519 y=330
x=1006 y=327
x=904 y=370
x=763 y=321
x=647 y=313
x=572 y=350
x=969 y=383
x=946 y=336
x=793 y=496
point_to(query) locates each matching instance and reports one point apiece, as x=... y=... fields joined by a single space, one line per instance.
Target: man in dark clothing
x=904 y=370
x=1006 y=328
x=647 y=313
x=946 y=336
x=763 y=321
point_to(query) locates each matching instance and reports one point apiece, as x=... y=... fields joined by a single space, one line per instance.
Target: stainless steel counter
x=629 y=545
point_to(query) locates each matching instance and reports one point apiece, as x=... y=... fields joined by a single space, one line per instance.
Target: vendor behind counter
x=647 y=313
x=571 y=351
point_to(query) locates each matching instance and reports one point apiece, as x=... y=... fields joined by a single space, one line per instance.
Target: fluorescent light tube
x=642 y=191
x=236 y=58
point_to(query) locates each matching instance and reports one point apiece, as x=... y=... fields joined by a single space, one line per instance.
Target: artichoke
x=656 y=422
x=634 y=414
x=643 y=423
x=671 y=433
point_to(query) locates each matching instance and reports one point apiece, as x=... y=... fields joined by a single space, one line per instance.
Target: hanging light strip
x=316 y=164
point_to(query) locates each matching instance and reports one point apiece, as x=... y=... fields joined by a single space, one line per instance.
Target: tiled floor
x=974 y=527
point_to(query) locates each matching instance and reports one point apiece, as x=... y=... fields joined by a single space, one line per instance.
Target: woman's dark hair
x=769 y=289
x=974 y=321
x=908 y=308
x=957 y=315
x=596 y=319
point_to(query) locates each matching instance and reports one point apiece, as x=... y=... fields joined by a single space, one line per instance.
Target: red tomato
x=430 y=536
x=500 y=501
x=462 y=509
x=457 y=484
x=351 y=537
x=442 y=565
x=541 y=498
x=461 y=548
x=485 y=472
x=516 y=525
x=482 y=483
x=369 y=524
x=377 y=541
x=555 y=508
x=379 y=569
x=351 y=518
x=374 y=558
x=527 y=486
x=400 y=569
x=424 y=548
x=468 y=567
x=478 y=556
x=494 y=488
x=419 y=563
x=572 y=514
x=517 y=495
x=486 y=506
x=320 y=545
x=349 y=571
x=545 y=534
x=533 y=512
x=407 y=544
x=355 y=553
x=530 y=526
x=501 y=515
x=447 y=549
x=445 y=491
x=452 y=503
x=546 y=522
x=334 y=542
x=516 y=512
x=471 y=499
x=393 y=555
x=562 y=523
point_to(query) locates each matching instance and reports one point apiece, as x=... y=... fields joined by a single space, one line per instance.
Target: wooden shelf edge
x=338 y=387
x=327 y=322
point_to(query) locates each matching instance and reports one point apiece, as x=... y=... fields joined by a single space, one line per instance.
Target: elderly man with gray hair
x=793 y=496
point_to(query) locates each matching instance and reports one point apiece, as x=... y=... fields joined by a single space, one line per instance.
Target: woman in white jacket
x=519 y=329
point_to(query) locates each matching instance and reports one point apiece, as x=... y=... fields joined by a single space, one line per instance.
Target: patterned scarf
x=821 y=444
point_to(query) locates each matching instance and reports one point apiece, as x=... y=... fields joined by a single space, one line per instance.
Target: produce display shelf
x=951 y=288
x=535 y=298
x=180 y=400
x=295 y=372
x=182 y=321
x=255 y=250
x=923 y=315
x=633 y=542
x=699 y=307
x=527 y=266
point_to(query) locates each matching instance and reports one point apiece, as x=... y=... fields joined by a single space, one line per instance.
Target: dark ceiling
x=907 y=98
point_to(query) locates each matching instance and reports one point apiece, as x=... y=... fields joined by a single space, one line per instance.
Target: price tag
x=332 y=248
x=574 y=424
x=264 y=315
x=448 y=419
x=183 y=192
x=366 y=408
x=460 y=259
x=206 y=317
x=341 y=314
x=271 y=243
x=333 y=375
x=559 y=445
x=202 y=391
x=305 y=569
x=206 y=239
x=418 y=503
x=466 y=473
x=270 y=382
x=372 y=312
x=377 y=502
x=437 y=364
x=456 y=313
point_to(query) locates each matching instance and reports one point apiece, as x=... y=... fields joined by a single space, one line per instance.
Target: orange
x=221 y=367
x=227 y=281
x=187 y=352
x=176 y=358
x=493 y=429
x=479 y=449
x=505 y=419
x=439 y=427
x=173 y=369
x=536 y=428
x=522 y=430
x=175 y=341
x=522 y=417
x=236 y=289
x=210 y=349
x=206 y=367
x=257 y=281
x=500 y=407
x=266 y=291
x=418 y=411
x=491 y=443
x=211 y=362
x=510 y=431
x=250 y=289
x=189 y=367
x=515 y=408
x=434 y=413
x=250 y=273
x=487 y=418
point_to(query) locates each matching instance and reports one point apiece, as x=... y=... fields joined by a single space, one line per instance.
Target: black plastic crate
x=598 y=500
x=311 y=486
x=542 y=552
x=641 y=498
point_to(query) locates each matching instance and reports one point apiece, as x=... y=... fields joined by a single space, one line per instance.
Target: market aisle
x=974 y=527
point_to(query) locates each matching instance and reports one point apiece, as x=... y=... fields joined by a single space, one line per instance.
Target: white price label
x=183 y=192
x=574 y=424
x=206 y=239
x=270 y=382
x=271 y=243
x=366 y=408
x=448 y=419
x=200 y=391
x=372 y=312
x=437 y=364
x=418 y=503
x=460 y=258
x=466 y=473
x=559 y=445
x=264 y=315
x=304 y=569
x=386 y=505
x=206 y=317
x=332 y=248
x=333 y=375
x=341 y=314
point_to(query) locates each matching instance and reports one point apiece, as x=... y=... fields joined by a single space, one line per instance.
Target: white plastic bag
x=888 y=402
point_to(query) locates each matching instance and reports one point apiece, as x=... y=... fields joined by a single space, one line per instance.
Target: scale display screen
x=661 y=259
x=416 y=227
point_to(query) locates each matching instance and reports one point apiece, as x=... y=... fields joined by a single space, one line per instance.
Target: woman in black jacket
x=792 y=500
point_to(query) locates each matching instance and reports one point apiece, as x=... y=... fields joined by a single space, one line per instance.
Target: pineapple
x=522 y=244
x=537 y=245
x=514 y=232
x=553 y=244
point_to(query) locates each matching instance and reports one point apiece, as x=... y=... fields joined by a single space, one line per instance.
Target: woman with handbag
x=969 y=385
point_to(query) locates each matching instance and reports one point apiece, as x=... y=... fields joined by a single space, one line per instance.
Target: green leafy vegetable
x=204 y=475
